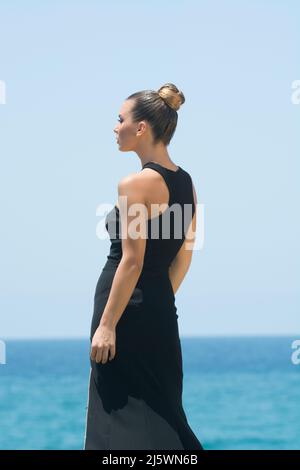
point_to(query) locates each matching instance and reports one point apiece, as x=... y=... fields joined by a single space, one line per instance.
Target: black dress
x=135 y=400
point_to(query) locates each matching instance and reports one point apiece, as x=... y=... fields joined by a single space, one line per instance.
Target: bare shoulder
x=149 y=173
x=133 y=188
x=139 y=181
x=133 y=180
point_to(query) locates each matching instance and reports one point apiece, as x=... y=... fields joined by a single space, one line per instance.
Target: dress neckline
x=165 y=168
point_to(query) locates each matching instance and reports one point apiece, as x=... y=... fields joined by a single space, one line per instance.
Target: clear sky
x=67 y=67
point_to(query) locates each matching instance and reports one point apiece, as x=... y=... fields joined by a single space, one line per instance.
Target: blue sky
x=67 y=67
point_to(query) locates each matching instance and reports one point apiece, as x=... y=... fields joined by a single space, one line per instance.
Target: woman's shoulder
x=133 y=187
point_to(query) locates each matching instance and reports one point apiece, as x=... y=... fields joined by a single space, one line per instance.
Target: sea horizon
x=239 y=392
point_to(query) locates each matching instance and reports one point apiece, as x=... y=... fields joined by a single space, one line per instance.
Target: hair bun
x=171 y=95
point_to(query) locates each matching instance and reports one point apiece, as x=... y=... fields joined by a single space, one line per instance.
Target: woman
x=135 y=386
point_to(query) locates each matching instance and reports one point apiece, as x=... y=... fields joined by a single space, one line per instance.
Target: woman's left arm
x=133 y=222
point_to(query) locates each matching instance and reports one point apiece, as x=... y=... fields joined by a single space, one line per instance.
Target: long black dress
x=135 y=400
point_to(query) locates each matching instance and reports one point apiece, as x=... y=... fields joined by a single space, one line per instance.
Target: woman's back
x=167 y=225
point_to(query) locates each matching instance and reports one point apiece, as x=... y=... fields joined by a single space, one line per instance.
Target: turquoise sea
x=239 y=393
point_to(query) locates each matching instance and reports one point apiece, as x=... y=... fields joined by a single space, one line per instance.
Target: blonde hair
x=171 y=95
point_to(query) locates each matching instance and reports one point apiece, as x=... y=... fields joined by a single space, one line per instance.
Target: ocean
x=238 y=393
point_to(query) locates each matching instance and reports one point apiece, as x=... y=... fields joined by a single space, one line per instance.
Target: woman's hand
x=103 y=344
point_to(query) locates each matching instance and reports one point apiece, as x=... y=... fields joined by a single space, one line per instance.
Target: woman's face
x=127 y=132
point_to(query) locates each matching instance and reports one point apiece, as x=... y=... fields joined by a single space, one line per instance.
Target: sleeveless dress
x=135 y=400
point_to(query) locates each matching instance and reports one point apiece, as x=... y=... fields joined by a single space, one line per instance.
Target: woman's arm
x=133 y=249
x=124 y=282
x=103 y=346
x=177 y=272
x=181 y=263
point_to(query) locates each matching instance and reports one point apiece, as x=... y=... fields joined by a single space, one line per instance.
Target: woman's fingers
x=112 y=352
x=93 y=352
x=102 y=354
x=105 y=355
x=99 y=354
